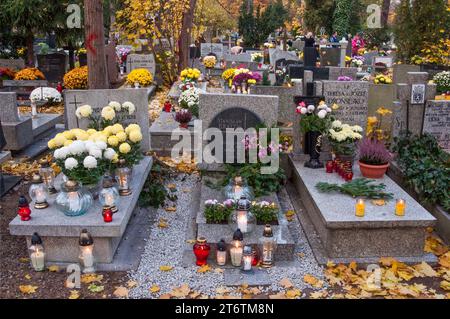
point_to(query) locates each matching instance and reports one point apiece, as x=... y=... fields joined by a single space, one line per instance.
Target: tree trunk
x=385 y=12
x=30 y=49
x=185 y=35
x=95 y=44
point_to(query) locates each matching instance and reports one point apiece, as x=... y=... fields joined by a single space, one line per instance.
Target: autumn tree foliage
x=163 y=24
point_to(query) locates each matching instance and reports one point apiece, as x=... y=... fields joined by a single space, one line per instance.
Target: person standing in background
x=309 y=40
x=357 y=43
x=334 y=37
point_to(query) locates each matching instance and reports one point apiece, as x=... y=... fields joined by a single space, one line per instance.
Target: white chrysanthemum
x=336 y=124
x=89 y=145
x=321 y=114
x=90 y=162
x=328 y=110
x=101 y=145
x=129 y=106
x=357 y=128
x=96 y=152
x=311 y=108
x=77 y=147
x=109 y=153
x=70 y=163
x=115 y=105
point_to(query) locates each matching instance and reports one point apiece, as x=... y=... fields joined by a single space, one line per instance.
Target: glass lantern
x=242 y=218
x=221 y=253
x=37 y=254
x=237 y=187
x=48 y=176
x=268 y=246
x=247 y=259
x=86 y=257
x=109 y=195
x=236 y=248
x=73 y=200
x=24 y=210
x=123 y=176
x=38 y=192
x=201 y=251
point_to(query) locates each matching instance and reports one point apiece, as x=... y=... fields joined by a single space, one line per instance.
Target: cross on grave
x=76 y=104
x=409 y=108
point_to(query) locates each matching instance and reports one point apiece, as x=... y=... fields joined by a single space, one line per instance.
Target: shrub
x=141 y=76
x=76 y=79
x=29 y=74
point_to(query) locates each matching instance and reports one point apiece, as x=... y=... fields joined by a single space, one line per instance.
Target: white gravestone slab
x=437 y=122
x=141 y=61
x=387 y=60
x=216 y=48
x=352 y=98
x=97 y=99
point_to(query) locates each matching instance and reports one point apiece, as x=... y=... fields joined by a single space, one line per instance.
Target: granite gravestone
x=53 y=66
x=369 y=57
x=436 y=121
x=97 y=99
x=215 y=48
x=386 y=60
x=286 y=55
x=298 y=71
x=352 y=99
x=309 y=56
x=13 y=64
x=243 y=57
x=298 y=44
x=330 y=56
x=141 y=61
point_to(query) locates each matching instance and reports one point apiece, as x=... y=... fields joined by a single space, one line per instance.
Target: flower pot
x=373 y=171
x=313 y=142
x=184 y=125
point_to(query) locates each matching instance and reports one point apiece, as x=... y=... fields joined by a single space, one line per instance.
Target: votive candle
x=400 y=207
x=360 y=207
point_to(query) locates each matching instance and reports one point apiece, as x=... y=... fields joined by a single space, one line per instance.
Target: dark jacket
x=309 y=42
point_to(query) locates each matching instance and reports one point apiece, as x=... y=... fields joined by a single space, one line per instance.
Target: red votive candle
x=329 y=166
x=348 y=176
x=107 y=215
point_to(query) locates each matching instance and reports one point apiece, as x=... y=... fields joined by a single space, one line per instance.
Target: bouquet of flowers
x=6 y=74
x=382 y=79
x=216 y=212
x=189 y=99
x=190 y=75
x=80 y=159
x=344 y=78
x=358 y=61
x=29 y=74
x=228 y=76
x=47 y=94
x=141 y=76
x=122 y=54
x=265 y=212
x=314 y=119
x=442 y=81
x=242 y=75
x=257 y=57
x=342 y=137
x=111 y=114
x=81 y=51
x=183 y=117
x=209 y=61
x=76 y=79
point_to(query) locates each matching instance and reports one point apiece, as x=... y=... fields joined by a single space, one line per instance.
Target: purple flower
x=344 y=78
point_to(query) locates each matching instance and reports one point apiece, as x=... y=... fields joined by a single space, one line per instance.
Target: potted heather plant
x=183 y=117
x=374 y=158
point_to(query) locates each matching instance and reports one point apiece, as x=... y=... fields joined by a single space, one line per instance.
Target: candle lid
x=248 y=250
x=238 y=180
x=238 y=235
x=37 y=179
x=85 y=238
x=22 y=201
x=268 y=231
x=43 y=162
x=201 y=240
x=243 y=203
x=108 y=182
x=71 y=186
x=36 y=239
x=221 y=245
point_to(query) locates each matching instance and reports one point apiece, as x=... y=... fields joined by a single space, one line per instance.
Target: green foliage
x=263 y=184
x=154 y=192
x=319 y=13
x=426 y=168
x=265 y=78
x=216 y=214
x=418 y=22
x=357 y=188
x=255 y=26
x=265 y=214
x=346 y=17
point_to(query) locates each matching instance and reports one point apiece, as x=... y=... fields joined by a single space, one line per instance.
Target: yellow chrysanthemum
x=59 y=139
x=69 y=135
x=124 y=148
x=116 y=128
x=108 y=113
x=113 y=140
x=51 y=144
x=91 y=131
x=68 y=142
x=135 y=136
x=132 y=127
x=122 y=136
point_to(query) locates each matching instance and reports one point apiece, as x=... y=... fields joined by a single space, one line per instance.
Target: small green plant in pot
x=374 y=158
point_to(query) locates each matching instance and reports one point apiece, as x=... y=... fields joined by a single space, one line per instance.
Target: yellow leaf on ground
x=194 y=294
x=27 y=276
x=53 y=268
x=222 y=290
x=318 y=294
x=180 y=292
x=405 y=275
x=90 y=278
x=444 y=260
x=435 y=245
x=74 y=294
x=171 y=209
x=279 y=295
x=24 y=260
x=154 y=289
x=171 y=186
x=378 y=202
x=301 y=255
x=28 y=289
x=165 y=268
x=330 y=264
x=204 y=268
x=387 y=261
x=293 y=293
x=165 y=296
x=313 y=281
x=131 y=283
x=445 y=285
x=425 y=270
x=121 y=292
x=286 y=283
x=95 y=288
x=218 y=270
x=163 y=223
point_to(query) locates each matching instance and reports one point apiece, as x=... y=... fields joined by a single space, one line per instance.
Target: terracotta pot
x=373 y=171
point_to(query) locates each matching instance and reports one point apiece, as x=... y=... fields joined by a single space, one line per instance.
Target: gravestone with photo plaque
x=215 y=48
x=97 y=99
x=141 y=61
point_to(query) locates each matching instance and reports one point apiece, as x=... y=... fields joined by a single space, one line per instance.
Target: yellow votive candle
x=360 y=207
x=400 y=207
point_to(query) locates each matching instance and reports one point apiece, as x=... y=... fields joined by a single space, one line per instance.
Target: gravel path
x=166 y=245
